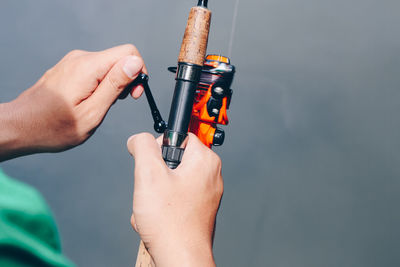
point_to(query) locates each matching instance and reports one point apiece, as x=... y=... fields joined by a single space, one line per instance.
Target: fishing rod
x=190 y=64
x=201 y=97
x=202 y=93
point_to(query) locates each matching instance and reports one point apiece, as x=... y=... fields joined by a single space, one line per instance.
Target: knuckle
x=216 y=164
x=220 y=186
x=130 y=48
x=114 y=82
x=133 y=223
x=48 y=73
x=192 y=135
x=80 y=65
x=88 y=119
x=214 y=158
x=218 y=161
x=134 y=139
x=92 y=118
x=194 y=139
x=75 y=53
x=133 y=219
x=145 y=136
x=130 y=143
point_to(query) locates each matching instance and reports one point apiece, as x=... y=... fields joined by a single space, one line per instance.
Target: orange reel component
x=212 y=100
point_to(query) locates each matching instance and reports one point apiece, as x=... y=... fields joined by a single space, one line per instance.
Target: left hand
x=174 y=211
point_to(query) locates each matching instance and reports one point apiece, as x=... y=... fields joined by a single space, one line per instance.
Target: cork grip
x=144 y=259
x=194 y=44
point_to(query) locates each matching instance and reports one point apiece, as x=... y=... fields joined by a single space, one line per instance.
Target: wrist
x=12 y=140
x=185 y=254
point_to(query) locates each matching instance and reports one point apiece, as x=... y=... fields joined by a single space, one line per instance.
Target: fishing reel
x=212 y=100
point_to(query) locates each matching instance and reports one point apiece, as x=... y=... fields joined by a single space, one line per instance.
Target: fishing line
x=235 y=14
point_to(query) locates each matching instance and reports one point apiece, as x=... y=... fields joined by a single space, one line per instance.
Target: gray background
x=311 y=160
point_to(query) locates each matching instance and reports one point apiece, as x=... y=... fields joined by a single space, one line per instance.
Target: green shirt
x=28 y=233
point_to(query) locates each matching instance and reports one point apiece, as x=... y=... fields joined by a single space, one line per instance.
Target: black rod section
x=175 y=137
x=190 y=64
x=203 y=3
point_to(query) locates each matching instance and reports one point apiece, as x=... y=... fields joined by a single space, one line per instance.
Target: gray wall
x=311 y=160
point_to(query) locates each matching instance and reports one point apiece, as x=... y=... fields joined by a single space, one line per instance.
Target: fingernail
x=137 y=91
x=133 y=65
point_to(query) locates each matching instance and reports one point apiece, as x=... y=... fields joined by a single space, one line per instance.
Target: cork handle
x=194 y=44
x=144 y=259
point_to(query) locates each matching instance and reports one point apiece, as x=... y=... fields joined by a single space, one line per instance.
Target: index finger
x=106 y=59
x=110 y=57
x=195 y=155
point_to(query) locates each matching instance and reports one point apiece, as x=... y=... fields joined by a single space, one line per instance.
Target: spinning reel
x=211 y=102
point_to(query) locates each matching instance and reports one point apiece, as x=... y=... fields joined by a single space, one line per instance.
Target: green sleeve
x=28 y=233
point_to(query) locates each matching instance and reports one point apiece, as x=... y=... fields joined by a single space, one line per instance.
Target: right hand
x=65 y=107
x=174 y=210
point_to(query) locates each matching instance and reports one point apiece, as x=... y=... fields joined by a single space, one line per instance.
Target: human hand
x=174 y=210
x=69 y=102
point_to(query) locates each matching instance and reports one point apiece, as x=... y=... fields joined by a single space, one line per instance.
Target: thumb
x=120 y=76
x=146 y=151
